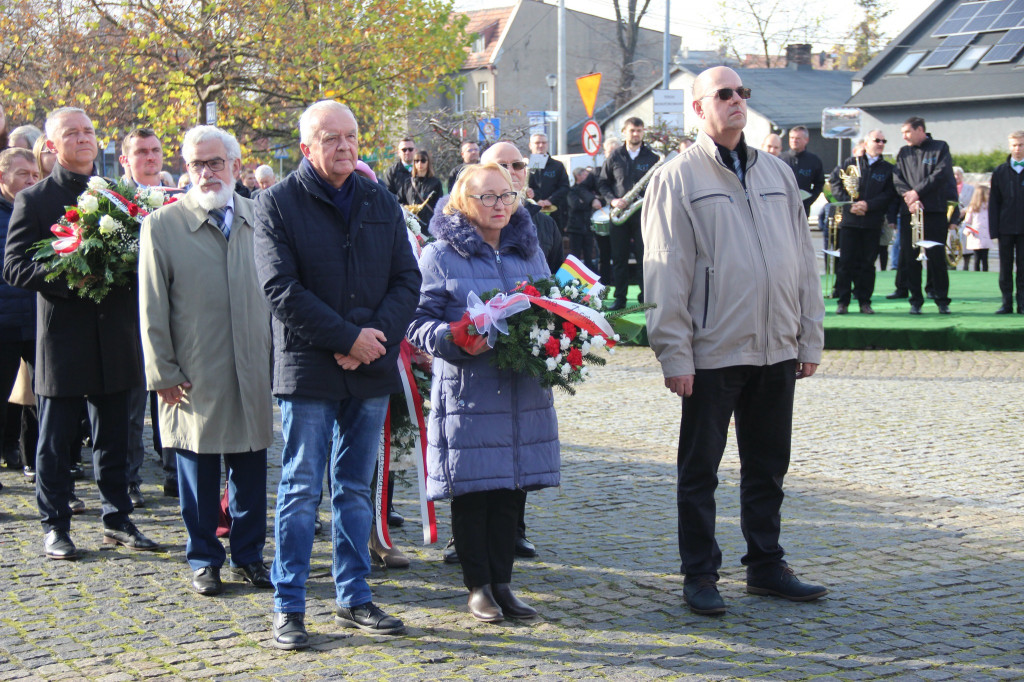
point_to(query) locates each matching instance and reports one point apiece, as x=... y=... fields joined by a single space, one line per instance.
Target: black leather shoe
x=944 y=310
x=483 y=606
x=395 y=520
x=525 y=548
x=781 y=581
x=511 y=605
x=370 y=618
x=129 y=536
x=255 y=573
x=615 y=305
x=290 y=631
x=866 y=309
x=76 y=505
x=899 y=293
x=915 y=309
x=842 y=308
x=450 y=555
x=57 y=545
x=701 y=595
x=171 y=487
x=206 y=581
x=1004 y=310
x=135 y=495
x=930 y=294
x=77 y=472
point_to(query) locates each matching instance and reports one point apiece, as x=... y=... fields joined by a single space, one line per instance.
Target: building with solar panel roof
x=960 y=66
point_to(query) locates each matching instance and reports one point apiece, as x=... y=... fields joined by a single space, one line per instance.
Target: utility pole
x=666 y=58
x=563 y=82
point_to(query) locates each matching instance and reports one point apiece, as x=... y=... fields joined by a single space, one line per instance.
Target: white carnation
x=155 y=198
x=584 y=371
x=584 y=335
x=566 y=368
x=585 y=347
x=598 y=303
x=574 y=293
x=536 y=351
x=542 y=336
x=598 y=341
x=564 y=342
x=96 y=182
x=88 y=203
x=552 y=364
x=555 y=292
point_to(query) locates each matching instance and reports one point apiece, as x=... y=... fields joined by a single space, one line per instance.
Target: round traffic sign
x=591 y=137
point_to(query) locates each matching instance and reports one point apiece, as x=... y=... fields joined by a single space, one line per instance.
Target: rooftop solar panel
x=956 y=21
x=1012 y=17
x=945 y=53
x=1007 y=49
x=986 y=15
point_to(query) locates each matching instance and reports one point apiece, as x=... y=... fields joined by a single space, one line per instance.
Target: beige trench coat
x=205 y=321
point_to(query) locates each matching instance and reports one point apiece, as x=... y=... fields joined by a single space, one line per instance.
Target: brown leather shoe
x=483 y=606
x=511 y=605
x=866 y=309
x=383 y=556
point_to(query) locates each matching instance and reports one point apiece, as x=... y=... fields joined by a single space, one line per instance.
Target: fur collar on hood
x=520 y=234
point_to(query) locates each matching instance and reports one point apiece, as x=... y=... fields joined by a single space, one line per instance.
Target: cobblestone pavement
x=904 y=497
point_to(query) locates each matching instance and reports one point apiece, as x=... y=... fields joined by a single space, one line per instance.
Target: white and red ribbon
x=414 y=402
x=489 y=317
x=580 y=315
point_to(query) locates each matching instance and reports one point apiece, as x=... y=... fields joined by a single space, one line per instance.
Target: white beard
x=211 y=200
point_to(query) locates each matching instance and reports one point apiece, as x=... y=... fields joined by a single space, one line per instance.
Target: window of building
x=969 y=58
x=458 y=104
x=483 y=101
x=908 y=62
x=479 y=42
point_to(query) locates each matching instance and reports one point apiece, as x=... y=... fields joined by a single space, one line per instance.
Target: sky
x=694 y=20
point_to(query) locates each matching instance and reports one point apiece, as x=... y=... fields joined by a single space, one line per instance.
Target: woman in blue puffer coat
x=492 y=434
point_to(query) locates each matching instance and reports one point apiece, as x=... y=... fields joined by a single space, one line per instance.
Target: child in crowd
x=976 y=228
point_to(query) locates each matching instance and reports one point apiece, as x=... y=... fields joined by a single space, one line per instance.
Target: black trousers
x=762 y=400
x=1011 y=248
x=484 y=527
x=622 y=236
x=604 y=254
x=858 y=248
x=59 y=431
x=936 y=225
x=581 y=245
x=11 y=355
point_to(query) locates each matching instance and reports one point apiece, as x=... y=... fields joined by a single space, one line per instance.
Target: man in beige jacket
x=730 y=265
x=207 y=348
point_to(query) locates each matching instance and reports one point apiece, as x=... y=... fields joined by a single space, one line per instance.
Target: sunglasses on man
x=513 y=165
x=725 y=94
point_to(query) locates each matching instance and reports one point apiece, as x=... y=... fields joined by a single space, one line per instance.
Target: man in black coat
x=809 y=171
x=399 y=173
x=583 y=200
x=334 y=261
x=626 y=166
x=550 y=184
x=470 y=152
x=861 y=227
x=82 y=349
x=1006 y=221
x=924 y=178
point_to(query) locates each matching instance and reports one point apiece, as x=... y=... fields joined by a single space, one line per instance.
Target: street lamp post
x=552 y=80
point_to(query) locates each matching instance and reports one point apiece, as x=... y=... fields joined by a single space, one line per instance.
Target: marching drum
x=601 y=222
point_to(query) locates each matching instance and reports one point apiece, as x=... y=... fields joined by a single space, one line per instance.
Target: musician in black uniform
x=550 y=184
x=470 y=152
x=809 y=171
x=861 y=226
x=626 y=166
x=924 y=178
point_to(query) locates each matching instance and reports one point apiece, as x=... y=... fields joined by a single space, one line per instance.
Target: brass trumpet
x=416 y=208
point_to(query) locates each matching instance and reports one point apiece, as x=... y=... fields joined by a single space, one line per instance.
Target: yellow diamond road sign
x=588 y=86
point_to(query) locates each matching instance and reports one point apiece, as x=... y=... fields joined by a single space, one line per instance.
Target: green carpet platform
x=971 y=326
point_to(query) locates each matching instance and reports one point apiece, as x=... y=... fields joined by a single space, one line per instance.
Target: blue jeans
x=199 y=486
x=350 y=430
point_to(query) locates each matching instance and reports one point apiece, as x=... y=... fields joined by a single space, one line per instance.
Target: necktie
x=736 y=164
x=217 y=218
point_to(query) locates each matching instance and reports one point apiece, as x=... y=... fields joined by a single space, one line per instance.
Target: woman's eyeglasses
x=490 y=200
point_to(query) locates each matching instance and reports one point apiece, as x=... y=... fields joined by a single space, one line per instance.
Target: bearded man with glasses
x=731 y=268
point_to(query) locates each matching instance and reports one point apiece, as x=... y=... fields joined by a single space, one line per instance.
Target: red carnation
x=531 y=290
x=133 y=210
x=170 y=201
x=575 y=358
x=71 y=215
x=553 y=347
x=569 y=329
